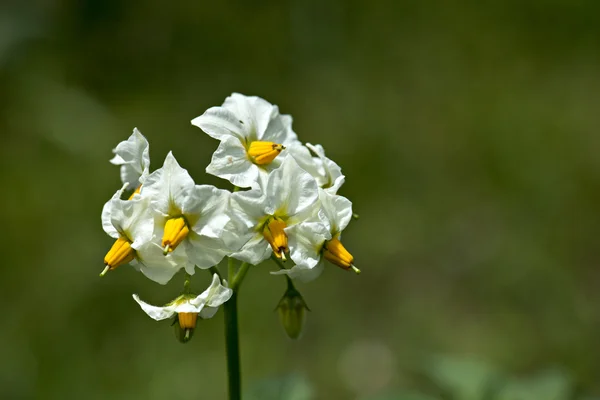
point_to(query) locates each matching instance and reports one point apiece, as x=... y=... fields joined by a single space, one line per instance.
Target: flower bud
x=292 y=311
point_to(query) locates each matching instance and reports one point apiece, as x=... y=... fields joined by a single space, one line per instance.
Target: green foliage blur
x=469 y=136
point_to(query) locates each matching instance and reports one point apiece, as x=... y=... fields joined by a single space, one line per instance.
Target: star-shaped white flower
x=327 y=173
x=131 y=224
x=133 y=155
x=189 y=306
x=314 y=241
x=188 y=215
x=289 y=196
x=252 y=135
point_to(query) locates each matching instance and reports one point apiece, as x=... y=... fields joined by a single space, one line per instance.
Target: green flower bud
x=292 y=311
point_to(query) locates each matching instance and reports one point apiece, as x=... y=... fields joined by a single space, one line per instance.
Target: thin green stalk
x=233 y=348
x=239 y=276
x=187 y=283
x=232 y=340
x=231 y=269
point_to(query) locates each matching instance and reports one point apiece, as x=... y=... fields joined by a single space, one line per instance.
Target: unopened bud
x=292 y=311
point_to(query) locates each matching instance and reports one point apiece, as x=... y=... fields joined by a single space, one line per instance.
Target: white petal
x=254 y=112
x=280 y=130
x=230 y=161
x=133 y=155
x=293 y=190
x=247 y=118
x=248 y=207
x=167 y=187
x=141 y=228
x=306 y=161
x=157 y=313
x=302 y=273
x=215 y=295
x=219 y=122
x=336 y=209
x=334 y=176
x=204 y=209
x=107 y=224
x=255 y=251
x=131 y=218
x=203 y=251
x=331 y=177
x=158 y=267
x=306 y=241
x=208 y=312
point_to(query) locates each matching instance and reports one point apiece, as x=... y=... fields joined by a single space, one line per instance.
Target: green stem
x=187 y=282
x=239 y=276
x=231 y=269
x=232 y=340
x=233 y=348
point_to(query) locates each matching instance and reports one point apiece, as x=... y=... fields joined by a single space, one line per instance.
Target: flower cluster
x=284 y=205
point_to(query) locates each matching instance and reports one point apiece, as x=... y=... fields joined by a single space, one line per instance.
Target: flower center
x=337 y=254
x=120 y=253
x=264 y=152
x=273 y=232
x=187 y=320
x=176 y=230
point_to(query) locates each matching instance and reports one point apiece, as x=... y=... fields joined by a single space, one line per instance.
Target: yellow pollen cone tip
x=283 y=256
x=105 y=270
x=356 y=270
x=166 y=251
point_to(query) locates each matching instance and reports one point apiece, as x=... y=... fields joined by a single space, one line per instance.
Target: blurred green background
x=468 y=134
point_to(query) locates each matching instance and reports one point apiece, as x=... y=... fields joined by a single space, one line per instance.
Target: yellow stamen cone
x=264 y=152
x=187 y=320
x=120 y=253
x=182 y=334
x=337 y=254
x=275 y=235
x=176 y=230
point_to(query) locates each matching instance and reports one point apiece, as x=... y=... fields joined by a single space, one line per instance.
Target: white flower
x=313 y=241
x=252 y=135
x=189 y=306
x=289 y=197
x=327 y=173
x=188 y=215
x=133 y=155
x=131 y=224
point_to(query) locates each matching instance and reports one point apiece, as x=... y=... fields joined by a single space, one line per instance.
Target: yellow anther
x=337 y=254
x=136 y=191
x=176 y=230
x=264 y=152
x=120 y=253
x=275 y=235
x=187 y=320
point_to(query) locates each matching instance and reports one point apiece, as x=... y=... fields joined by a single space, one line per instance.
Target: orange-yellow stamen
x=337 y=254
x=264 y=152
x=120 y=253
x=275 y=235
x=136 y=191
x=176 y=230
x=187 y=320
